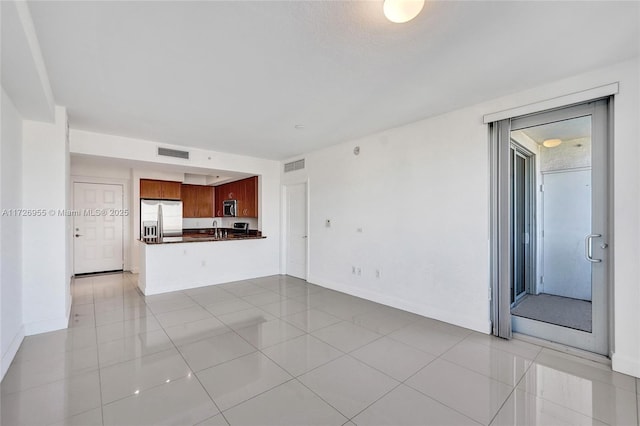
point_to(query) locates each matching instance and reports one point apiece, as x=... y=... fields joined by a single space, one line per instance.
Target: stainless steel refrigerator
x=160 y=218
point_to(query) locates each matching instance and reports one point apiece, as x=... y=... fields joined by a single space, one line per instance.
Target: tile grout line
x=249 y=343
x=98 y=366
x=515 y=388
x=538 y=397
x=161 y=384
x=404 y=382
x=98 y=357
x=124 y=289
x=259 y=350
x=200 y=383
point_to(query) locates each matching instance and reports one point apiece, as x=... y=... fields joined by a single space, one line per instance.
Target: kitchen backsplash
x=223 y=222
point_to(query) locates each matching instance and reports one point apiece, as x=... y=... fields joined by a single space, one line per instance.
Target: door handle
x=304 y=236
x=78 y=235
x=588 y=254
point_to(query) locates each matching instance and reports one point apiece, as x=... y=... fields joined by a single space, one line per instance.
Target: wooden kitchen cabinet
x=249 y=205
x=245 y=191
x=197 y=201
x=205 y=201
x=171 y=190
x=219 y=198
x=189 y=195
x=232 y=191
x=160 y=189
x=150 y=188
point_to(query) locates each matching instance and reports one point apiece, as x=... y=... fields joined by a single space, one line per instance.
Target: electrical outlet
x=353 y=270
x=378 y=273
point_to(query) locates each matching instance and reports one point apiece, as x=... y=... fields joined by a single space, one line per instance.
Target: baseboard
x=135 y=270
x=429 y=312
x=10 y=354
x=626 y=365
x=45 y=326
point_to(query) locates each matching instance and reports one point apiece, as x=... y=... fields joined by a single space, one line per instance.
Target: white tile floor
x=279 y=351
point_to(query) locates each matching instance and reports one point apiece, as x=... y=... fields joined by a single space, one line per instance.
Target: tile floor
x=279 y=351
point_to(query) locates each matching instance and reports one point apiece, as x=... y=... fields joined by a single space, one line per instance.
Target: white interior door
x=98 y=228
x=296 y=200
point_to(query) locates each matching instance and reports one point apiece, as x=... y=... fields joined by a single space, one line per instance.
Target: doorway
x=522 y=225
x=554 y=216
x=98 y=228
x=296 y=226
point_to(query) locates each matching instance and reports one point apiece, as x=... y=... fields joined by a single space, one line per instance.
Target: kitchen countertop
x=199 y=236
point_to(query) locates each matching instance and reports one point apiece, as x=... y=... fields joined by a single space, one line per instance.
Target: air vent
x=173 y=153
x=294 y=165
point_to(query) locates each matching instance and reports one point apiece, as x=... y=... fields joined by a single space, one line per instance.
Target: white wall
x=420 y=193
x=116 y=147
x=11 y=325
x=45 y=167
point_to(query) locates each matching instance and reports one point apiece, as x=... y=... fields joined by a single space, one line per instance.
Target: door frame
x=531 y=213
x=285 y=226
x=126 y=220
x=500 y=223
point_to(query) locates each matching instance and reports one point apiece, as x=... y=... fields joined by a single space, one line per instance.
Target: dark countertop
x=205 y=235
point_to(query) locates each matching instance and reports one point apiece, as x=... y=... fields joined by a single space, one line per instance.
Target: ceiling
x=238 y=76
x=565 y=130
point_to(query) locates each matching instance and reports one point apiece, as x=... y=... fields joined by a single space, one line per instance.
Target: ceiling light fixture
x=401 y=11
x=551 y=143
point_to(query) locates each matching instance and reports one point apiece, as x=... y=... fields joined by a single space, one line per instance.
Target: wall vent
x=173 y=153
x=294 y=165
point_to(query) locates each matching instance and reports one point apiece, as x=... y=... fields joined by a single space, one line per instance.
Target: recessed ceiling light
x=299 y=126
x=552 y=143
x=401 y=11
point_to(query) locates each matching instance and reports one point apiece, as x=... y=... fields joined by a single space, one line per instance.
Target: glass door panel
x=559 y=289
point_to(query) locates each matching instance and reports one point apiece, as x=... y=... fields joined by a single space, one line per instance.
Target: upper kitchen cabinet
x=219 y=198
x=160 y=189
x=232 y=191
x=249 y=205
x=189 y=195
x=245 y=191
x=197 y=201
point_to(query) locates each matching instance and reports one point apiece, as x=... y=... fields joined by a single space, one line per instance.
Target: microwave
x=229 y=208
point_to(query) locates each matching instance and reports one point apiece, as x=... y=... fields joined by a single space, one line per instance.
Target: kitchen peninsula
x=177 y=254
x=180 y=263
